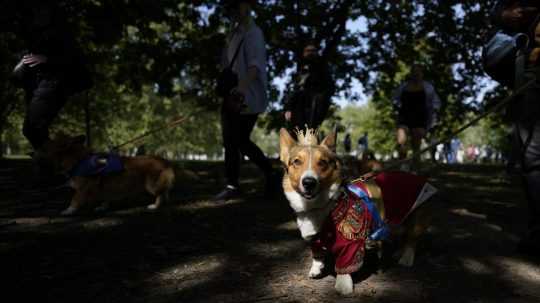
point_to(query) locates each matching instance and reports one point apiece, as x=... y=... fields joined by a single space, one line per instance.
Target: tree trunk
x=87 y=120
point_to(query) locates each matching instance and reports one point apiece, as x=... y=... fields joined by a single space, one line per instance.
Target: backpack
x=503 y=57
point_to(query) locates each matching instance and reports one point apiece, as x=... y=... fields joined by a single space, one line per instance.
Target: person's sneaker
x=230 y=192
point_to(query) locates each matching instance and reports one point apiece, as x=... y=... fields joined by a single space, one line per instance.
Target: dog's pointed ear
x=330 y=141
x=286 y=143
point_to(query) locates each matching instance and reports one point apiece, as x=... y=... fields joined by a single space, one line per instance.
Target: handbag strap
x=236 y=54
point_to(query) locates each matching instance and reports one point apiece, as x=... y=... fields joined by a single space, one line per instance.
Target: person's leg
x=433 y=151
x=453 y=155
x=401 y=136
x=529 y=136
x=532 y=183
x=43 y=106
x=249 y=148
x=44 y=103
x=230 y=128
x=417 y=134
x=526 y=112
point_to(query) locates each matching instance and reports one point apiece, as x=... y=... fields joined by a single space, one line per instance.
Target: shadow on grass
x=249 y=250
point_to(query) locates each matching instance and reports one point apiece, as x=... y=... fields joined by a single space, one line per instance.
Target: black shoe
x=230 y=192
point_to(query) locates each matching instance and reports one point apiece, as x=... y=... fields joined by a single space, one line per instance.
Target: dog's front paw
x=69 y=211
x=344 y=284
x=317 y=268
x=407 y=257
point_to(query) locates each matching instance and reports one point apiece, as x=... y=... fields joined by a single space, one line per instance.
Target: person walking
x=245 y=54
x=52 y=69
x=513 y=17
x=313 y=88
x=362 y=145
x=416 y=104
x=347 y=143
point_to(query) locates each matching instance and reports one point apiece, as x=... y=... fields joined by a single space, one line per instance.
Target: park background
x=153 y=61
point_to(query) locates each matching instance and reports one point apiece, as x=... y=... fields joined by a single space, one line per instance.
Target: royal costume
x=355 y=218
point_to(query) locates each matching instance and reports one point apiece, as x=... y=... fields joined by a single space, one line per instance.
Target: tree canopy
x=155 y=60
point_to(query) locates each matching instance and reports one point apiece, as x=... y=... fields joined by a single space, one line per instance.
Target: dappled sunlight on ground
x=249 y=249
x=288 y=226
x=465 y=213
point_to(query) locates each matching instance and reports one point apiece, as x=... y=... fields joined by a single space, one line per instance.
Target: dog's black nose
x=309 y=183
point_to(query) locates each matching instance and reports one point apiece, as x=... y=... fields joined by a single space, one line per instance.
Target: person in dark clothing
x=50 y=71
x=416 y=103
x=363 y=144
x=521 y=17
x=238 y=123
x=311 y=97
x=52 y=68
x=347 y=143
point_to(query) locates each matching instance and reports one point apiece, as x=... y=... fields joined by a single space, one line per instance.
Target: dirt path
x=250 y=251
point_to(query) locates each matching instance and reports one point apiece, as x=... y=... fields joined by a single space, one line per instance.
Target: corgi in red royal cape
x=340 y=218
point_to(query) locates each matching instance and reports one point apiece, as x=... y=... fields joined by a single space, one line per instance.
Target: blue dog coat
x=92 y=166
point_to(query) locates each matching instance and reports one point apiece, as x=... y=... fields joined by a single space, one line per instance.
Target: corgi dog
x=133 y=175
x=340 y=219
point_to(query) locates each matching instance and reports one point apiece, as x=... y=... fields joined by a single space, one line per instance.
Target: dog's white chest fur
x=311 y=214
x=311 y=223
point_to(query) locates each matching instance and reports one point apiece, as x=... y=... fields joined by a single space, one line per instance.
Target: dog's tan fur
x=297 y=159
x=326 y=165
x=141 y=174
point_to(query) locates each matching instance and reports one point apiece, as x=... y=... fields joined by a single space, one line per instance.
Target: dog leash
x=139 y=138
x=372 y=174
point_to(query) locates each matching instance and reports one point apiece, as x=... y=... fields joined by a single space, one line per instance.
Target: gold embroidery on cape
x=341 y=208
x=355 y=224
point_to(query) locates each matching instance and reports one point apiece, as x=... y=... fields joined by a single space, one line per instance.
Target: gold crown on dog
x=308 y=136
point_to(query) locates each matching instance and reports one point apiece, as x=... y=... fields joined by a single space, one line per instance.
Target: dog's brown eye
x=297 y=162
x=323 y=163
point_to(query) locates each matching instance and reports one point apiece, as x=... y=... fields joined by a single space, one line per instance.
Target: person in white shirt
x=245 y=53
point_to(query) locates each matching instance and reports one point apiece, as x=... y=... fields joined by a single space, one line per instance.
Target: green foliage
x=357 y=120
x=489 y=132
x=156 y=60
